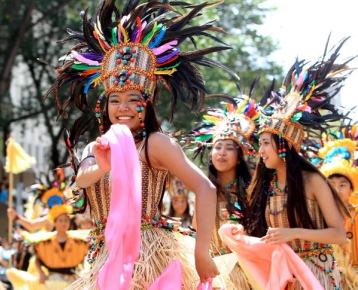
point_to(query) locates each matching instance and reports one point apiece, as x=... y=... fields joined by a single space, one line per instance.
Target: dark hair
x=151 y=124
x=297 y=211
x=338 y=175
x=243 y=180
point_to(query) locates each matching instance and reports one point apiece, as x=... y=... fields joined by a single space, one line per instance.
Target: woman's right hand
x=42 y=277
x=237 y=229
x=102 y=153
x=11 y=214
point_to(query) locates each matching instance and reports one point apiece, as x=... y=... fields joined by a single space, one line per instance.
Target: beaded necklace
x=276 y=191
x=139 y=136
x=228 y=190
x=231 y=186
x=275 y=188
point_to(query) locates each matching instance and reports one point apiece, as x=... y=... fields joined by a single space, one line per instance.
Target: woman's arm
x=95 y=163
x=166 y=153
x=335 y=232
x=28 y=224
x=317 y=188
x=42 y=275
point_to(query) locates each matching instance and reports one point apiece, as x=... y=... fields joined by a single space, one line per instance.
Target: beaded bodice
x=276 y=216
x=153 y=180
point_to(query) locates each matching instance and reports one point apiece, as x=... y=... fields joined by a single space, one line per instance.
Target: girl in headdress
x=58 y=254
x=130 y=52
x=290 y=200
x=179 y=202
x=227 y=132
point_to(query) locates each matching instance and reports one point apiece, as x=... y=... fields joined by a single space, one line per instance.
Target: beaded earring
x=281 y=148
x=98 y=113
x=140 y=108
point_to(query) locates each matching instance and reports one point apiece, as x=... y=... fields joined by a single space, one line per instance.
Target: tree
x=249 y=56
x=32 y=30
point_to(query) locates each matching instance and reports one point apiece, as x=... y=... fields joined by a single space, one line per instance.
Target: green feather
x=114 y=36
x=296 y=117
x=85 y=66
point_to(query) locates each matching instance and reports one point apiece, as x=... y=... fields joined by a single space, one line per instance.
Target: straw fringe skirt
x=158 y=248
x=348 y=272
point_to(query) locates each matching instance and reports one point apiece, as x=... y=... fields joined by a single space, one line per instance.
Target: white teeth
x=124 y=118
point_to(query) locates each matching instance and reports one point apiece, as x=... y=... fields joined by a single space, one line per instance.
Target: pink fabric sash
x=170 y=278
x=267 y=266
x=122 y=233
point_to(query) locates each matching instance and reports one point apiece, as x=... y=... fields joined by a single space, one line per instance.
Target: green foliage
x=249 y=56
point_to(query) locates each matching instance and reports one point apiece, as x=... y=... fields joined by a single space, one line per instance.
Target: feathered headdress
x=303 y=103
x=136 y=48
x=55 y=201
x=236 y=121
x=337 y=153
x=51 y=193
x=176 y=187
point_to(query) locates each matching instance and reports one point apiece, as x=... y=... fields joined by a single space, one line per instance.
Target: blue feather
x=89 y=82
x=158 y=38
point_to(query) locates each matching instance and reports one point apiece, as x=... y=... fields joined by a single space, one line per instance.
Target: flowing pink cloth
x=122 y=233
x=170 y=278
x=267 y=266
x=205 y=286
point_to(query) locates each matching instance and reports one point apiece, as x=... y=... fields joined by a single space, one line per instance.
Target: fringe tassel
x=158 y=248
x=321 y=276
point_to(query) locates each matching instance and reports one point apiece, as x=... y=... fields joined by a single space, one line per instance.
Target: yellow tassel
x=166 y=72
x=124 y=33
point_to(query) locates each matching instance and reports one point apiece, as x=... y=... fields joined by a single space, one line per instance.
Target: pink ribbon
x=122 y=233
x=169 y=45
x=81 y=58
x=271 y=266
x=170 y=278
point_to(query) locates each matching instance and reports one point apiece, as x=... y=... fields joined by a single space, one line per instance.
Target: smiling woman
x=128 y=52
x=290 y=200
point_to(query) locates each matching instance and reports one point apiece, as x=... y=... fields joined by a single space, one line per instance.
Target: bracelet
x=16 y=217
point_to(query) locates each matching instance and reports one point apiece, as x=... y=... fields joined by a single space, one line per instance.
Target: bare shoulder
x=162 y=149
x=315 y=185
x=313 y=178
x=161 y=140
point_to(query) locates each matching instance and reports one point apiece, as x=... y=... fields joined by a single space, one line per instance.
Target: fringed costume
x=159 y=244
x=334 y=156
x=236 y=121
x=301 y=109
x=318 y=257
x=136 y=48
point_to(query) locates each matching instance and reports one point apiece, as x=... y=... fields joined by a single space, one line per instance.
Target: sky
x=301 y=29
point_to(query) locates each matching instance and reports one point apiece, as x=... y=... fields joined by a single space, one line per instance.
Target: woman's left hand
x=279 y=235
x=205 y=266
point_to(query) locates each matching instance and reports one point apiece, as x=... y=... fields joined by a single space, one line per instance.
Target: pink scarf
x=267 y=266
x=122 y=233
